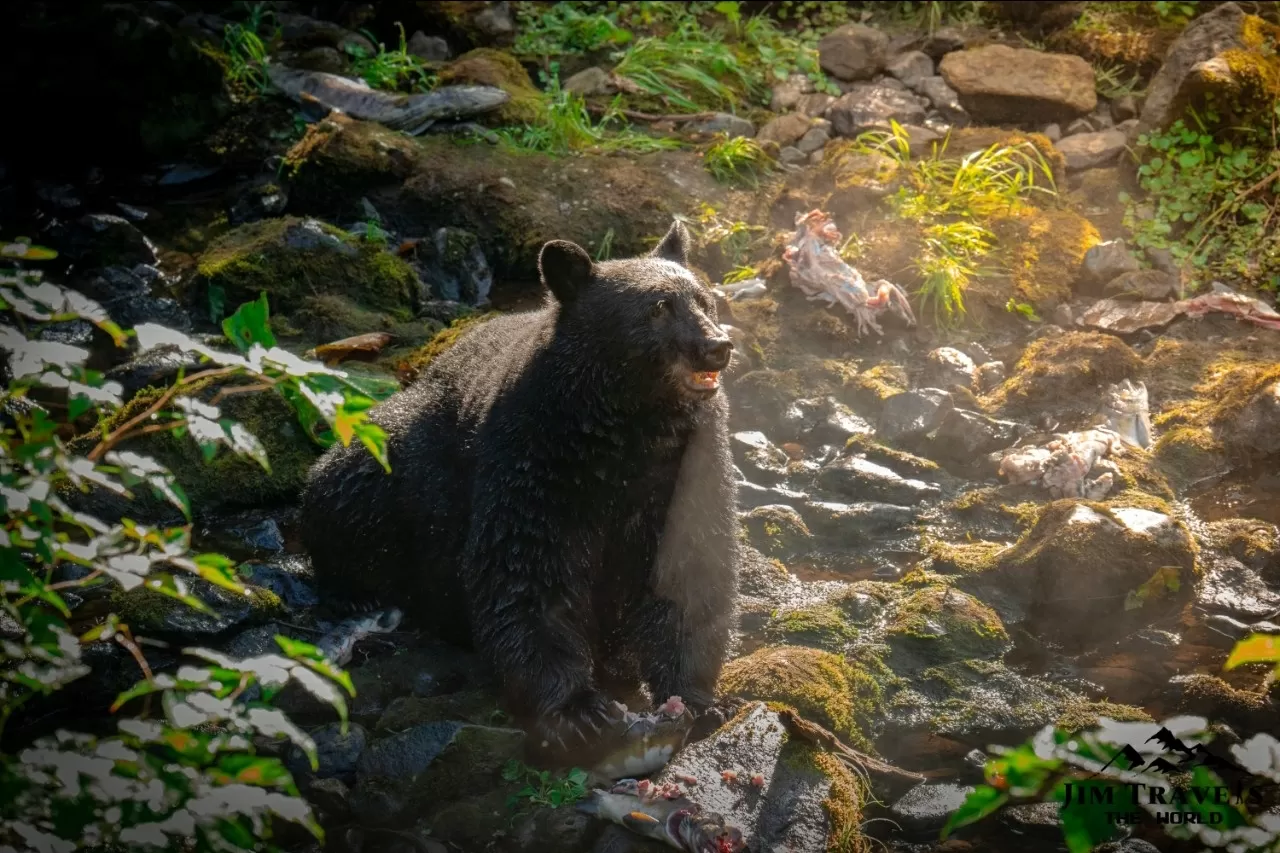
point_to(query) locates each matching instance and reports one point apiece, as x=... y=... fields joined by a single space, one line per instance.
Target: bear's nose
x=716 y=353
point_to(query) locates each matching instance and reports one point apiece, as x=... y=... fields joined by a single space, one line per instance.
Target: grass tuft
x=391 y=70
x=739 y=160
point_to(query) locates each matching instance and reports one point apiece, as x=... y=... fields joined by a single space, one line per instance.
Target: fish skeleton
x=411 y=113
x=663 y=813
x=746 y=289
x=1127 y=412
x=340 y=642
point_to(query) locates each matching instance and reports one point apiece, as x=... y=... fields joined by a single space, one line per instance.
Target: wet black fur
x=555 y=494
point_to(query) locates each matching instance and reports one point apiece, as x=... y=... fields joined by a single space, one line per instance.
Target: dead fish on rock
x=410 y=113
x=1063 y=465
x=664 y=814
x=648 y=740
x=1127 y=412
x=338 y=644
x=748 y=289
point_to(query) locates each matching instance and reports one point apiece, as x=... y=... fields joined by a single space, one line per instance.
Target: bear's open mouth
x=703 y=380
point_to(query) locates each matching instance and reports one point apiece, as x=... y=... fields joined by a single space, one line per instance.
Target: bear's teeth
x=706 y=379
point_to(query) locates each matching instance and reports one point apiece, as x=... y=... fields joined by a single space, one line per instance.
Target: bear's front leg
x=529 y=598
x=681 y=654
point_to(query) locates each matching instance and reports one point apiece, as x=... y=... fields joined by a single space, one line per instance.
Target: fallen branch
x=632 y=114
x=818 y=736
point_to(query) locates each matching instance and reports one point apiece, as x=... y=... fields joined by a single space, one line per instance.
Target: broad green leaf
x=983 y=801
x=1255 y=648
x=249 y=325
x=1085 y=827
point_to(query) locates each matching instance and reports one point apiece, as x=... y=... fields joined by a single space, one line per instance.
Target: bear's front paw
x=578 y=722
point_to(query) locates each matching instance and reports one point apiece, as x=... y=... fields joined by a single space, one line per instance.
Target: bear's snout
x=714 y=353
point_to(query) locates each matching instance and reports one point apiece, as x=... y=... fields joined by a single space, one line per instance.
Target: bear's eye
x=659 y=308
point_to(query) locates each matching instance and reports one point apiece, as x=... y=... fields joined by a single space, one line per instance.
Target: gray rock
x=944 y=100
x=963 y=435
x=452 y=267
x=909 y=416
x=758 y=458
x=104 y=239
x=990 y=375
x=776 y=529
x=787 y=94
x=330 y=796
x=338 y=754
x=301 y=31
x=946 y=366
x=855 y=524
x=785 y=130
x=590 y=81
x=1052 y=131
x=1217 y=30
x=155 y=368
x=861 y=479
x=867 y=106
x=1092 y=150
x=853 y=52
x=1148 y=285
x=823 y=420
x=943 y=41
x=1101 y=118
x=910 y=68
x=495 y=22
x=999 y=84
x=813 y=141
x=731 y=125
x=1124 y=108
x=1080 y=125
x=815 y=104
x=290 y=578
x=1062 y=316
x=927 y=806
x=429 y=48
x=792 y=156
x=328 y=60
x=1257 y=425
x=1105 y=261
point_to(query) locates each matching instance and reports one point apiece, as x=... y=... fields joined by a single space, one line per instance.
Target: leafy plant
x=737 y=160
x=391 y=69
x=564 y=29
x=1176 y=11
x=1015 y=307
x=543 y=789
x=191 y=773
x=246 y=59
x=1110 y=81
x=734 y=239
x=688 y=70
x=1210 y=199
x=783 y=55
x=371 y=231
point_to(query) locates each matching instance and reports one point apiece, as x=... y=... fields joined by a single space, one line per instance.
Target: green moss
x=444 y=340
x=1210 y=696
x=823 y=626
x=1248 y=540
x=906 y=464
x=941 y=623
x=1081 y=715
x=146 y=610
x=1189 y=454
x=1069 y=366
x=330 y=317
x=845 y=800
x=964 y=558
x=256 y=257
x=488 y=67
x=1046 y=248
x=875 y=384
x=775 y=530
x=820 y=685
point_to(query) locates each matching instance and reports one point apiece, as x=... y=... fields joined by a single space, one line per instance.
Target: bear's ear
x=565 y=268
x=675 y=246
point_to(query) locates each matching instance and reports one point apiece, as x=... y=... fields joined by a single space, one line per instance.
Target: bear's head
x=648 y=316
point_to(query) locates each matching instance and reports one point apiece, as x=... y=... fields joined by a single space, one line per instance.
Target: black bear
x=561 y=492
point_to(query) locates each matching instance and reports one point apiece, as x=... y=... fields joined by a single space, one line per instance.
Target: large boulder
x=1001 y=84
x=853 y=52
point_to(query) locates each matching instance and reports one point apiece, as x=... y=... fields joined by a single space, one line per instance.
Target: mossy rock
x=1065 y=371
x=906 y=464
x=443 y=341
x=777 y=530
x=148 y=611
x=1082 y=715
x=471 y=706
x=846 y=797
x=485 y=66
x=1209 y=696
x=822 y=686
x=979 y=702
x=1253 y=542
x=938 y=624
x=228 y=480
x=1187 y=455
x=822 y=626
x=1045 y=250
x=872 y=386
x=1235 y=402
x=292 y=260
x=964 y=558
x=331 y=317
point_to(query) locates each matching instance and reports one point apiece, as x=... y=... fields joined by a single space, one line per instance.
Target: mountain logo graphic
x=1189 y=757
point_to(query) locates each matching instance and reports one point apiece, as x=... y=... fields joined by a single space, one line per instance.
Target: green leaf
x=1084 y=828
x=1255 y=648
x=250 y=325
x=982 y=802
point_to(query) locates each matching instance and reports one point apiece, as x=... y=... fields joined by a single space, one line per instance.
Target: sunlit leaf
x=249 y=325
x=983 y=801
x=1255 y=648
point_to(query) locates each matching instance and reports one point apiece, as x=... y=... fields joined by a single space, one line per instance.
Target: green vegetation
x=246 y=57
x=391 y=69
x=1210 y=198
x=1111 y=83
x=543 y=789
x=564 y=29
x=732 y=240
x=184 y=774
x=691 y=69
x=737 y=160
x=955 y=200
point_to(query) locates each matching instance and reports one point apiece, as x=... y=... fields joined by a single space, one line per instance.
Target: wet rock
x=909 y=416
x=253 y=530
x=291 y=580
x=812 y=141
x=856 y=524
x=1105 y=261
x=946 y=366
x=815 y=104
x=758 y=457
x=861 y=479
x=452 y=267
x=126 y=294
x=853 y=52
x=104 y=239
x=753 y=495
x=466 y=706
x=148 y=611
x=785 y=130
x=943 y=41
x=331 y=797
x=911 y=68
x=1211 y=35
x=590 y=81
x=990 y=375
x=962 y=436
x=999 y=84
x=338 y=754
x=777 y=530
x=1150 y=285
x=1257 y=425
x=435 y=670
x=157 y=367
x=260 y=198
x=823 y=420
x=944 y=100
x=867 y=106
x=731 y=125
x=786 y=94
x=1209 y=696
x=301 y=32
x=429 y=48
x=940 y=624
x=791 y=156
x=1124 y=317
x=255 y=641
x=1092 y=150
x=926 y=807
x=402 y=774
x=1052 y=132
x=1080 y=125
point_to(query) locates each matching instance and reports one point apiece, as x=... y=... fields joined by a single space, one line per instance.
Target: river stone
x=868 y=106
x=943 y=41
x=1124 y=317
x=1150 y=285
x=947 y=366
x=428 y=48
x=289 y=578
x=792 y=156
x=1105 y=261
x=910 y=415
x=812 y=141
x=776 y=529
x=1001 y=84
x=927 y=806
x=910 y=67
x=853 y=52
x=860 y=478
x=787 y=93
x=858 y=523
x=338 y=754
x=590 y=81
x=785 y=130
x=1092 y=150
x=944 y=100
x=990 y=375
x=823 y=420
x=731 y=125
x=758 y=458
x=964 y=435
x=1209 y=35
x=815 y=104
x=1257 y=425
